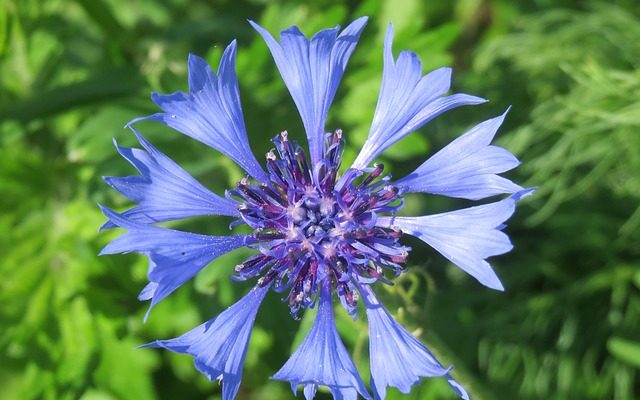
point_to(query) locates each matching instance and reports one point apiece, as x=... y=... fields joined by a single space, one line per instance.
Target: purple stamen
x=323 y=230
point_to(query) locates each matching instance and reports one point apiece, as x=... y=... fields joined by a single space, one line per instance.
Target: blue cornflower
x=318 y=233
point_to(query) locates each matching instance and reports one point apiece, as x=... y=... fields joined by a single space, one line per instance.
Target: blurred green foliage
x=73 y=72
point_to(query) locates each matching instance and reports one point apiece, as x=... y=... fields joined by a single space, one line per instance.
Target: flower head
x=320 y=230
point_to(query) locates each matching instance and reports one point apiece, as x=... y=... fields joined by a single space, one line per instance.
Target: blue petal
x=149 y=290
x=467 y=168
x=164 y=191
x=322 y=358
x=312 y=70
x=398 y=359
x=175 y=256
x=407 y=101
x=465 y=237
x=458 y=388
x=219 y=345
x=211 y=111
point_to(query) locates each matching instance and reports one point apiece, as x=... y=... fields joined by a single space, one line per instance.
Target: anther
x=264 y=280
x=377 y=170
x=268 y=234
x=391 y=192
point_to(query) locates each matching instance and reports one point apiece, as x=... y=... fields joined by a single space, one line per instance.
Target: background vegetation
x=73 y=72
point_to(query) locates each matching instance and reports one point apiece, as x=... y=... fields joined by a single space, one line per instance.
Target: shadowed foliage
x=74 y=72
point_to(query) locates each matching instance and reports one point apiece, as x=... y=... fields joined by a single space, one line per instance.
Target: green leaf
x=91 y=142
x=102 y=86
x=122 y=368
x=77 y=343
x=4 y=25
x=101 y=14
x=625 y=350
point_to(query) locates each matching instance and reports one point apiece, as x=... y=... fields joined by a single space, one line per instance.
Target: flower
x=319 y=231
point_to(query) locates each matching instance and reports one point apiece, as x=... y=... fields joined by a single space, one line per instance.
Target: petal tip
x=517 y=196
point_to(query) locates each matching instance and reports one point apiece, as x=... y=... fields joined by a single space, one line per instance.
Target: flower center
x=313 y=225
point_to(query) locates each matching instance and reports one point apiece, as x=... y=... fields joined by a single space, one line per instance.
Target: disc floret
x=312 y=224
